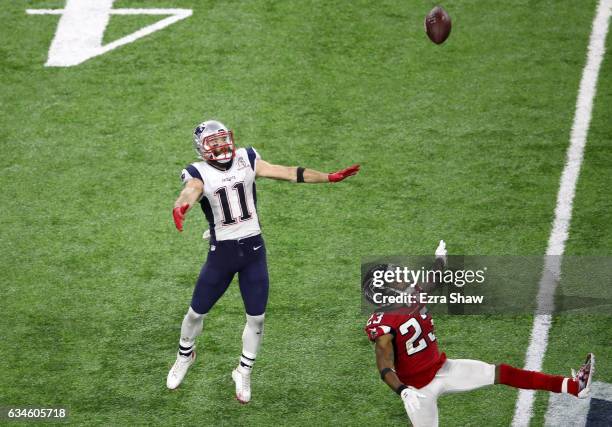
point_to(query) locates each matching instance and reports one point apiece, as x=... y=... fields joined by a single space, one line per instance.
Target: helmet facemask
x=213 y=142
x=218 y=147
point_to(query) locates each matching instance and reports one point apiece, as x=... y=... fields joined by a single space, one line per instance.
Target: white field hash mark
x=563 y=211
x=82 y=24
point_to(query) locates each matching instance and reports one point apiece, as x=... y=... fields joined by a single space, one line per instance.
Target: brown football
x=438 y=25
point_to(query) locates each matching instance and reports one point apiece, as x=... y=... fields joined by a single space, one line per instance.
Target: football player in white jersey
x=223 y=183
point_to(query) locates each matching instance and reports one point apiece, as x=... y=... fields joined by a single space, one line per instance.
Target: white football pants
x=456 y=375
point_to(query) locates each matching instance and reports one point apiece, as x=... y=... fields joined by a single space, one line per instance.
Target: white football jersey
x=229 y=201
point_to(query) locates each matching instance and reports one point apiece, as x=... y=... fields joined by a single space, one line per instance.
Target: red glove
x=344 y=173
x=178 y=214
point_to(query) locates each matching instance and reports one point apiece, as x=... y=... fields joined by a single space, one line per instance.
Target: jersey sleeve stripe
x=194 y=172
x=386 y=329
x=252 y=154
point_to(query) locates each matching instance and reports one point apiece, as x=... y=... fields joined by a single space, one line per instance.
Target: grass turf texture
x=464 y=141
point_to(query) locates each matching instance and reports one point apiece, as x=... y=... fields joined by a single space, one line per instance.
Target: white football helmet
x=213 y=142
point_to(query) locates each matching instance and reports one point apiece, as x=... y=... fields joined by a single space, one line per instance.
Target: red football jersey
x=417 y=358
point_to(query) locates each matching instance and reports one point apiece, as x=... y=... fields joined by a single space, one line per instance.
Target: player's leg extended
x=457 y=375
x=578 y=385
x=212 y=283
x=254 y=285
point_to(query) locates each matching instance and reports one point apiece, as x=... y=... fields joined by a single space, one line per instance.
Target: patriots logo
x=198 y=131
x=241 y=163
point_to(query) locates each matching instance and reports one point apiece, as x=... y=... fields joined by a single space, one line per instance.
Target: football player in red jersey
x=410 y=363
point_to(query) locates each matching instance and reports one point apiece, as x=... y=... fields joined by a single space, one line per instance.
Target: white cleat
x=584 y=376
x=242 y=378
x=179 y=369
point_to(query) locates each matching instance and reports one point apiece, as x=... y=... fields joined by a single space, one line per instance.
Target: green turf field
x=465 y=141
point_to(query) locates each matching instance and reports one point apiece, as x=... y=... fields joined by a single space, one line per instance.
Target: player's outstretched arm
x=191 y=193
x=299 y=174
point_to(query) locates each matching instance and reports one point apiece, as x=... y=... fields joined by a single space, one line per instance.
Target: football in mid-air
x=438 y=25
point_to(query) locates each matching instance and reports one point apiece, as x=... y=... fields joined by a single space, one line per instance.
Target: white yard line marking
x=563 y=211
x=82 y=24
x=113 y=11
x=146 y=30
x=79 y=32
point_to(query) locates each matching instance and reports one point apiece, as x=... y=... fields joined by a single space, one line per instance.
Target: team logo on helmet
x=198 y=131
